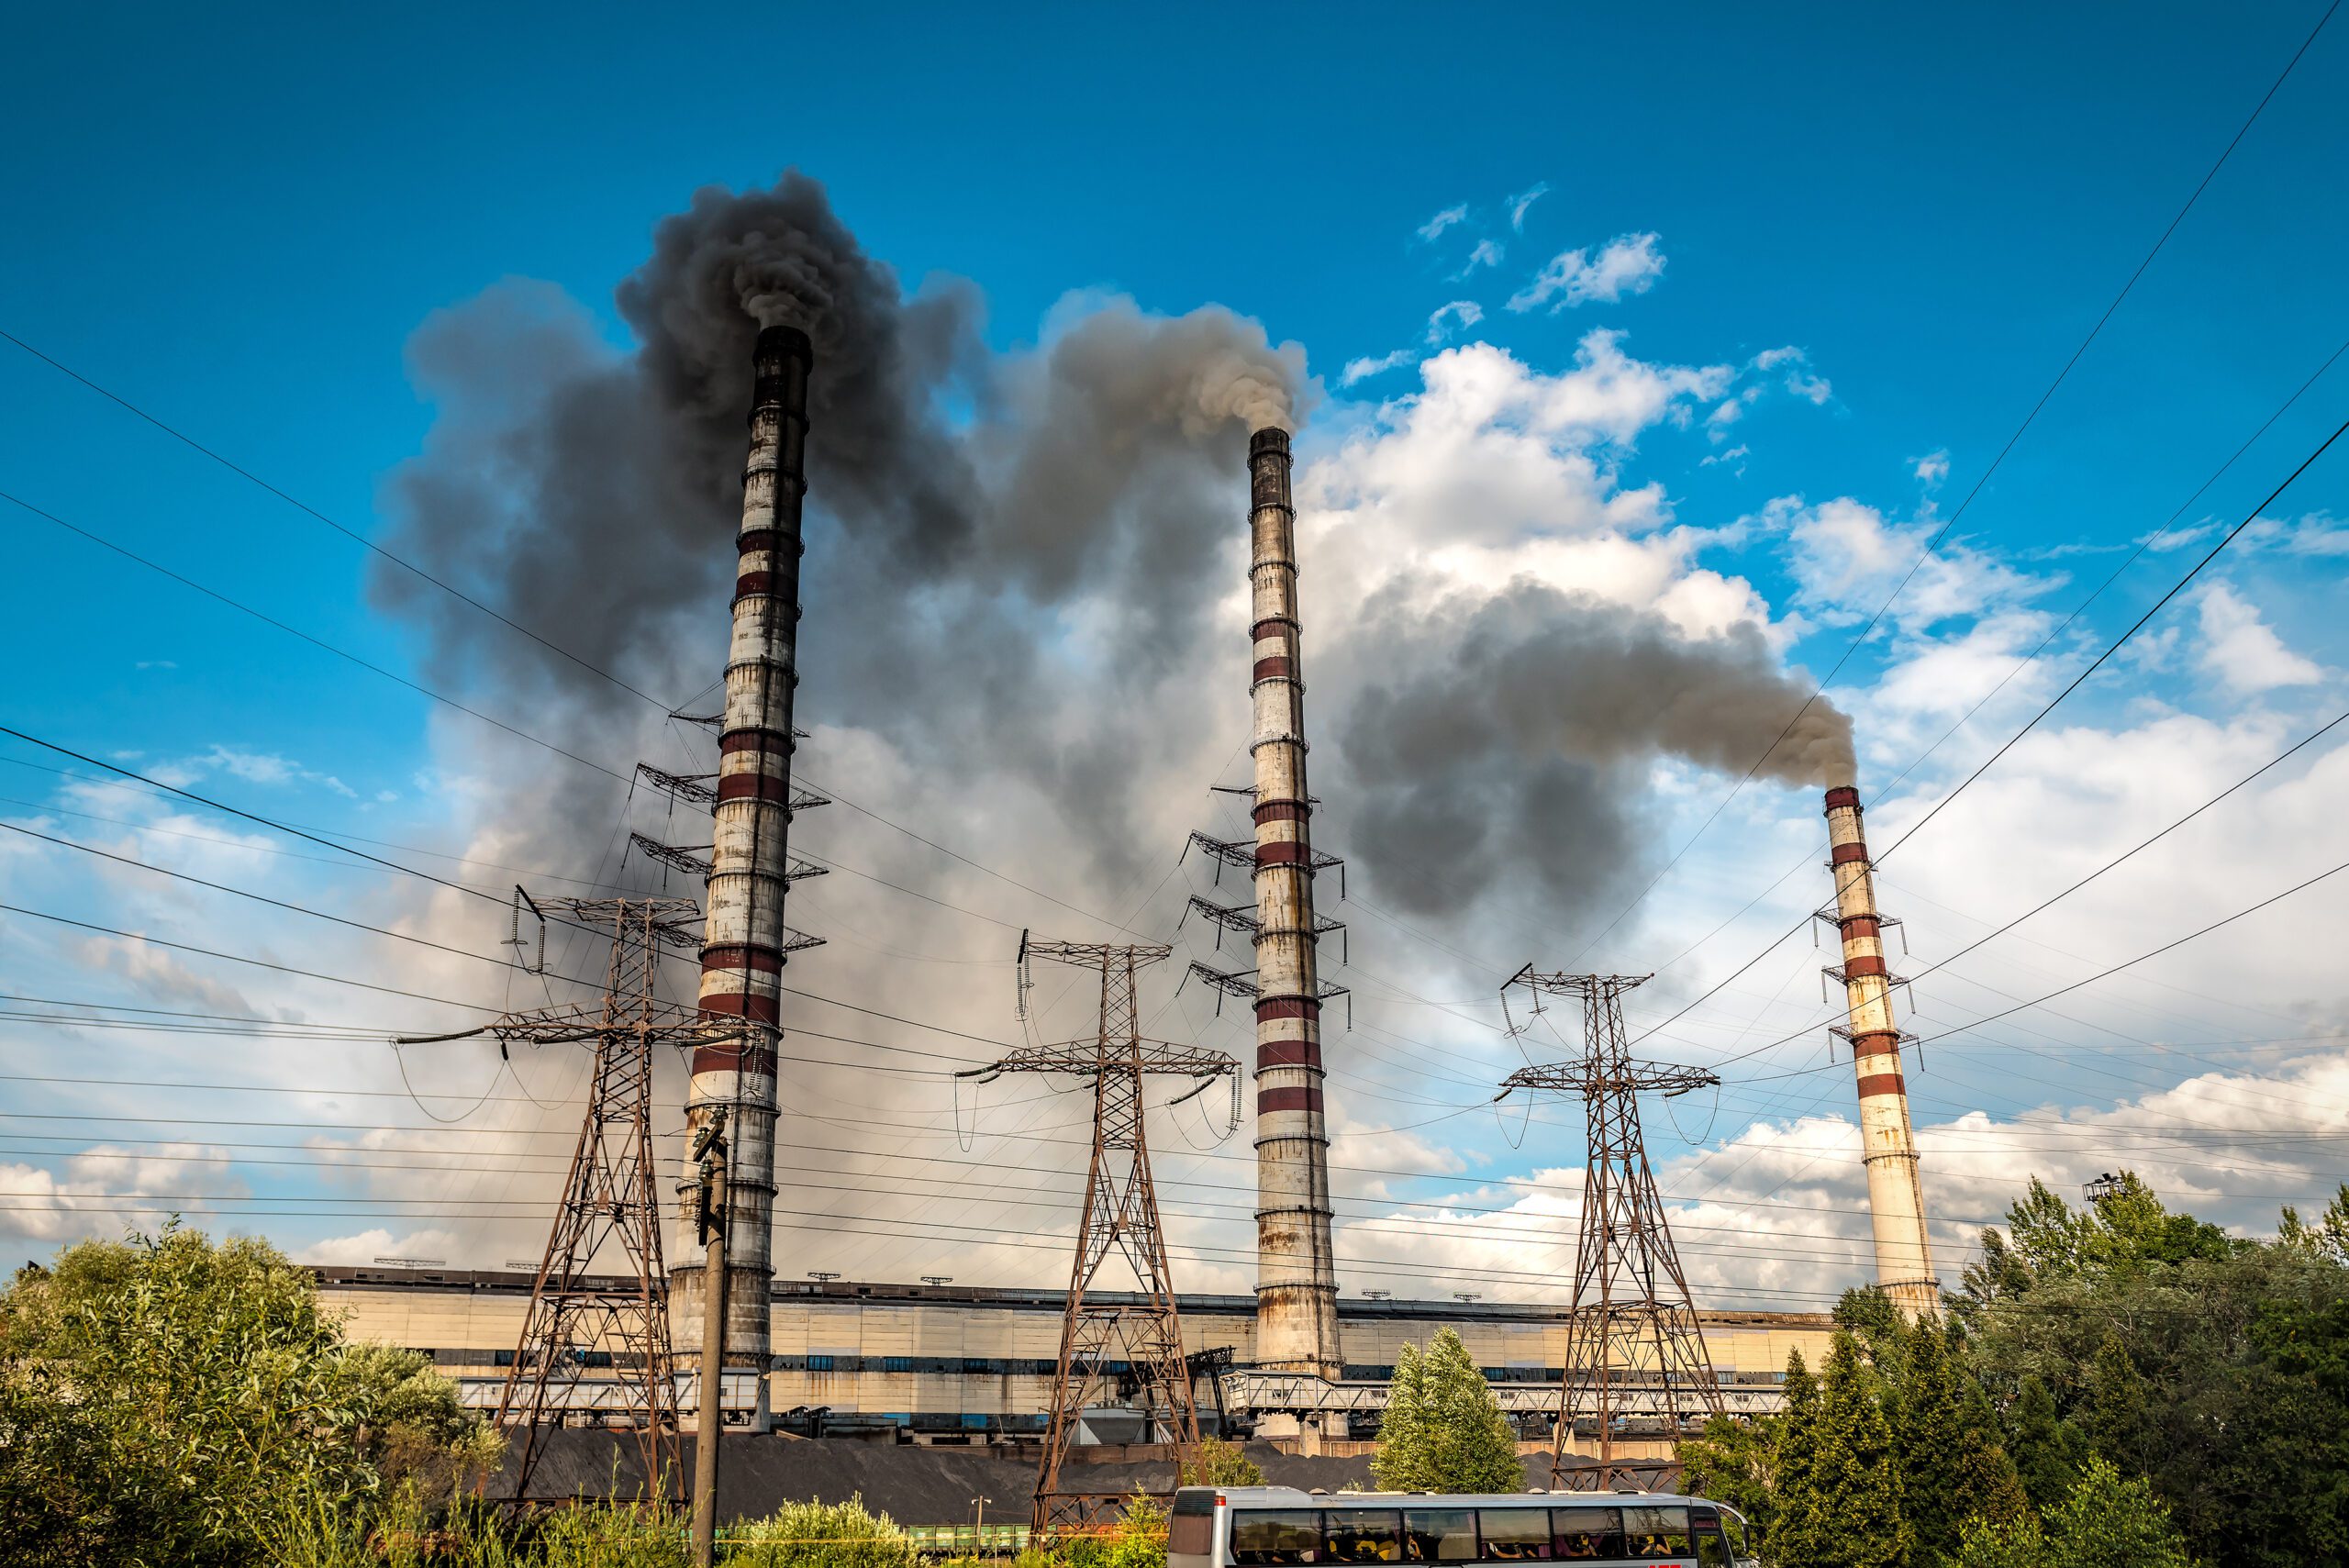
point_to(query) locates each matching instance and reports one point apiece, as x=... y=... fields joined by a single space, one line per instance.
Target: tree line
x=2113 y=1383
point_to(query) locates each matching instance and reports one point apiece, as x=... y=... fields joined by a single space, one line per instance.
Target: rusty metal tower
x=1634 y=1353
x=581 y=1321
x=1142 y=1334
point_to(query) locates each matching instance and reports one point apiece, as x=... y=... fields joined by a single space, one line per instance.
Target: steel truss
x=579 y=1316
x=1633 y=1346
x=1121 y=1214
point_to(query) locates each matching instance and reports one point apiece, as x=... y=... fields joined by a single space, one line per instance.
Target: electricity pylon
x=1121 y=1214
x=580 y=1320
x=1633 y=1346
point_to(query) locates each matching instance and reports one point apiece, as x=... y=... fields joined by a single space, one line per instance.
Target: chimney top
x=776 y=342
x=1272 y=438
x=1843 y=794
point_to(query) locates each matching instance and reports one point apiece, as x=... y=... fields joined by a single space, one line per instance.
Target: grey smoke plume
x=1507 y=739
x=958 y=498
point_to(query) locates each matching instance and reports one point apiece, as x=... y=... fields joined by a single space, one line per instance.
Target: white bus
x=1280 y=1527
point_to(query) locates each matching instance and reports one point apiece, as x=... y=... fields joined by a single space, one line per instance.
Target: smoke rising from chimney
x=1016 y=562
x=1507 y=739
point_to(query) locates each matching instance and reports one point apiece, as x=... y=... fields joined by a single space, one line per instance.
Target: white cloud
x=2242 y=650
x=1434 y=227
x=1520 y=204
x=1847 y=558
x=1487 y=253
x=1363 y=368
x=157 y=664
x=1630 y=263
x=1462 y=314
x=1803 y=384
x=1932 y=469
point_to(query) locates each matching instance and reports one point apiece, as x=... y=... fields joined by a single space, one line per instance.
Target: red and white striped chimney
x=1296 y=1283
x=1904 y=1256
x=744 y=940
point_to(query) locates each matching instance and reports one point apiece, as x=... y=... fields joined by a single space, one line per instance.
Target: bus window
x=1261 y=1540
x=1190 y=1529
x=1440 y=1535
x=1741 y=1547
x=1656 y=1532
x=1712 y=1551
x=1584 y=1534
x=1362 y=1535
x=1515 y=1535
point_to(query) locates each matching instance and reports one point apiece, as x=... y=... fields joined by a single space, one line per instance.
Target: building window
x=820 y=1363
x=897 y=1363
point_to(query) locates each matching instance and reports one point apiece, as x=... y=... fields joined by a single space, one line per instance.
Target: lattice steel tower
x=580 y=1320
x=1121 y=1214
x=1634 y=1351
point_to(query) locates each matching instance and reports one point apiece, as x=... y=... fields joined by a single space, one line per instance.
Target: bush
x=1219 y=1463
x=823 y=1535
x=166 y=1399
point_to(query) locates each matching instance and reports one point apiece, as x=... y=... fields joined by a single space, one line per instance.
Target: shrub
x=823 y=1535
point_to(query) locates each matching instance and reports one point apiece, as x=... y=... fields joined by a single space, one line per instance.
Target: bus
x=1280 y=1527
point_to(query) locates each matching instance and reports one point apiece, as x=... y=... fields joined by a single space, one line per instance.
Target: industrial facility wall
x=988 y=1358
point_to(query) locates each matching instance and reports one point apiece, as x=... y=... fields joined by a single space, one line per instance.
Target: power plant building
x=950 y=1359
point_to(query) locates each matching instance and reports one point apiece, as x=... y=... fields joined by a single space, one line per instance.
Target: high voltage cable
x=309 y=510
x=2271 y=764
x=2115 y=647
x=1984 y=479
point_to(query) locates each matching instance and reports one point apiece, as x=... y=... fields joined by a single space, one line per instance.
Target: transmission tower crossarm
x=1582 y=1078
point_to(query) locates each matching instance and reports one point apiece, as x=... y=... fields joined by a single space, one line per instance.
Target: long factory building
x=941 y=1359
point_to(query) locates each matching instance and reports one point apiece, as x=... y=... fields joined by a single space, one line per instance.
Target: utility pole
x=1121 y=1214
x=709 y=1212
x=1633 y=1346
x=579 y=1320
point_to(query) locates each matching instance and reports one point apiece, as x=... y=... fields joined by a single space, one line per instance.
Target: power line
x=2099 y=663
x=1984 y=479
x=305 y=508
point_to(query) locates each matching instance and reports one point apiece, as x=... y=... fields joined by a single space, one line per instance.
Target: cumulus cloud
x=1847 y=557
x=1628 y=264
x=2242 y=650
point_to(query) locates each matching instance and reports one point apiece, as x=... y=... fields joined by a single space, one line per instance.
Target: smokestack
x=1904 y=1258
x=1297 y=1286
x=744 y=942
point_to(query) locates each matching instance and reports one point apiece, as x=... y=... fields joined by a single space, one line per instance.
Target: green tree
x=1735 y=1462
x=1444 y=1430
x=2047 y=1449
x=1216 y=1462
x=1870 y=1317
x=2110 y=1521
x=1796 y=1535
x=172 y=1400
x=2329 y=1238
x=1927 y=1434
x=2003 y=1543
x=2118 y=1416
x=1857 y=1486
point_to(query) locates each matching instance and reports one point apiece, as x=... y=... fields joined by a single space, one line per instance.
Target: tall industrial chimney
x=1297 y=1286
x=1904 y=1257
x=744 y=942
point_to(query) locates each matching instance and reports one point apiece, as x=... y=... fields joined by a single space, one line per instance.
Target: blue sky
x=237 y=224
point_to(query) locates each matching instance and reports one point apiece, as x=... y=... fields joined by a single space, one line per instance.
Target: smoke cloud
x=1510 y=736
x=1015 y=561
x=958 y=496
